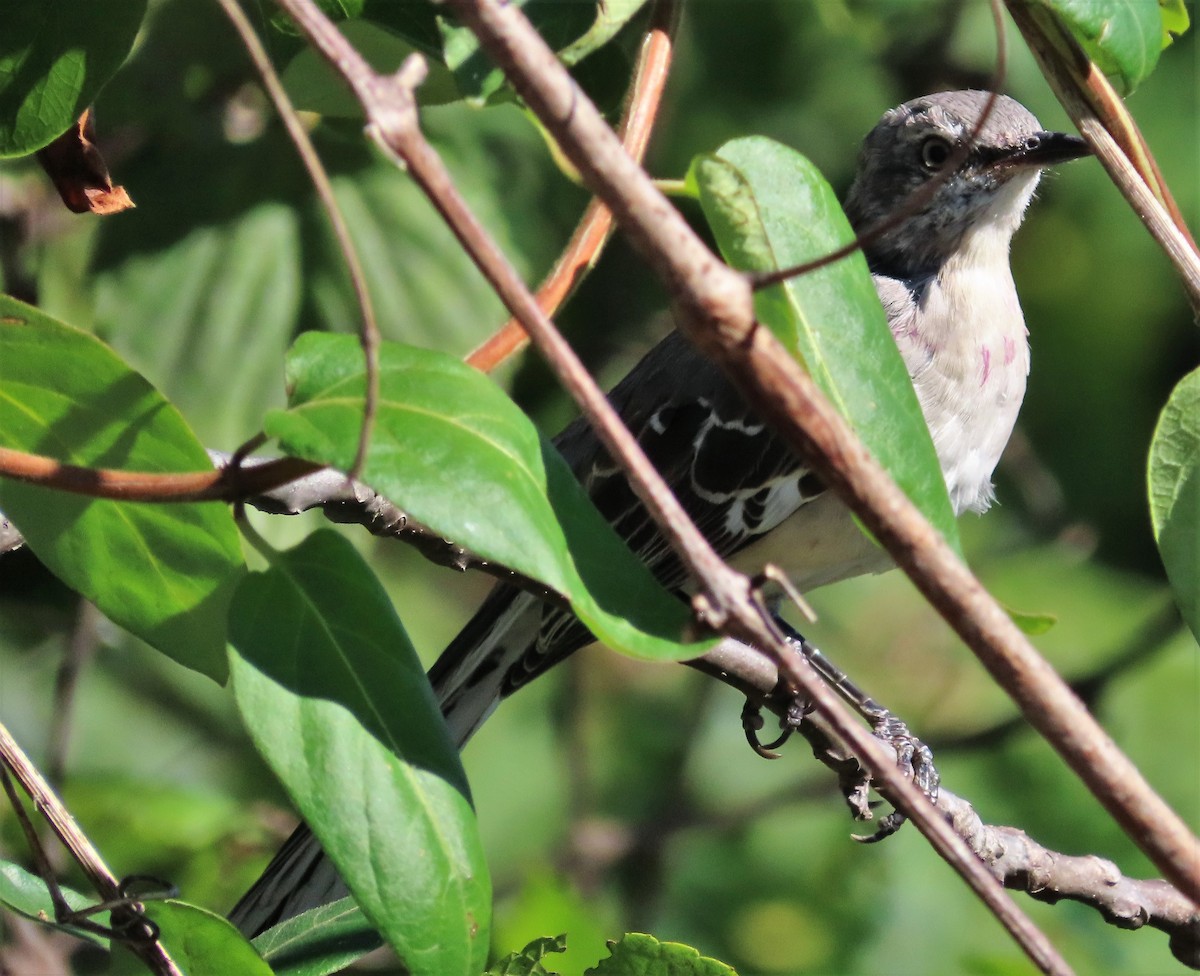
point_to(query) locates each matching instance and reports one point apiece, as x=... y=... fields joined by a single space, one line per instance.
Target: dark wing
x=732 y=474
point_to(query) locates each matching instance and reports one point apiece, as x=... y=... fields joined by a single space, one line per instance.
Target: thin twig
x=146 y=946
x=79 y=649
x=583 y=249
x=712 y=309
x=225 y=484
x=726 y=601
x=1107 y=126
x=368 y=333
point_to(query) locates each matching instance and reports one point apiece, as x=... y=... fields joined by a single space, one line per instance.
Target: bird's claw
x=752 y=724
x=915 y=760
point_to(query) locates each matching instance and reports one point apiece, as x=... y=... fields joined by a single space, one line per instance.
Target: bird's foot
x=915 y=760
x=752 y=724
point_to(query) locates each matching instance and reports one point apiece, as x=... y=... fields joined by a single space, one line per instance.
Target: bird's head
x=978 y=184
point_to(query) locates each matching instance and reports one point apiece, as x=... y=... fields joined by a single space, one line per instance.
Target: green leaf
x=26 y=894
x=1174 y=483
x=336 y=700
x=1032 y=624
x=1123 y=37
x=644 y=955
x=528 y=961
x=1175 y=20
x=200 y=941
x=320 y=941
x=769 y=208
x=611 y=16
x=459 y=457
x=55 y=56
x=164 y=572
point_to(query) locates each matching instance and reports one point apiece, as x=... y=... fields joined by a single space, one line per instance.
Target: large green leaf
x=337 y=702
x=1123 y=37
x=55 y=55
x=770 y=208
x=164 y=572
x=458 y=456
x=1174 y=482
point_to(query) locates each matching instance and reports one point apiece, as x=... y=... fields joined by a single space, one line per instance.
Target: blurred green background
x=617 y=796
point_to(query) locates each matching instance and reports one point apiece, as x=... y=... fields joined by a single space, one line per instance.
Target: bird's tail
x=469 y=681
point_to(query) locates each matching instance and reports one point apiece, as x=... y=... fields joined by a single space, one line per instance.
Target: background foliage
x=615 y=796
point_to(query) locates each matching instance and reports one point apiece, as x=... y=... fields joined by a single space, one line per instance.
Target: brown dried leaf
x=79 y=172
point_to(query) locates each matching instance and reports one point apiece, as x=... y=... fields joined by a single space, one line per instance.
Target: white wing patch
x=758 y=510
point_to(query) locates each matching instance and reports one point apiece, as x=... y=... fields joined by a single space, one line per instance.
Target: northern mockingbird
x=943 y=277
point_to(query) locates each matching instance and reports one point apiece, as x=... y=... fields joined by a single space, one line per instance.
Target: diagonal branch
x=595 y=226
x=147 y=948
x=712 y=309
x=727 y=600
x=368 y=332
x=1114 y=137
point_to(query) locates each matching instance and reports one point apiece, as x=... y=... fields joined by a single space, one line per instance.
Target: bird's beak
x=1042 y=149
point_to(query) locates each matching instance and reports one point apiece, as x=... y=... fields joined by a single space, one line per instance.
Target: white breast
x=966 y=347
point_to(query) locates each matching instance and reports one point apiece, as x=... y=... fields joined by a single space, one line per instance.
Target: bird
x=959 y=168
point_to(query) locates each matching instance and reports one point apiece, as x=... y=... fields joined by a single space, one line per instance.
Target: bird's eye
x=935 y=151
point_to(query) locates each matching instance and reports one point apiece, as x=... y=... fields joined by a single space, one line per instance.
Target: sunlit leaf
x=1123 y=37
x=770 y=208
x=164 y=572
x=1175 y=20
x=55 y=55
x=336 y=700
x=458 y=456
x=200 y=941
x=531 y=960
x=644 y=955
x=611 y=16
x=1032 y=624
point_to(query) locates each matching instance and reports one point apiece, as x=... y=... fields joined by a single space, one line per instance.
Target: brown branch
x=727 y=599
x=79 y=650
x=368 y=331
x=145 y=944
x=712 y=308
x=583 y=249
x=1108 y=127
x=225 y=484
x=1016 y=860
